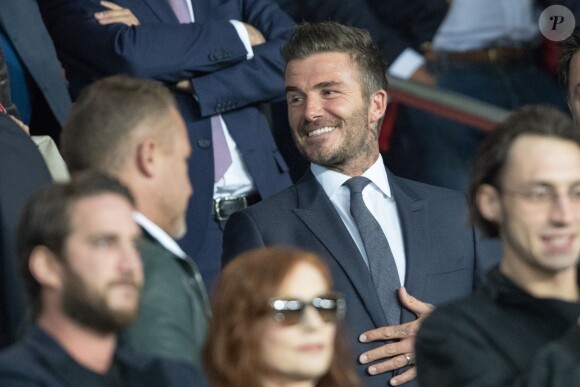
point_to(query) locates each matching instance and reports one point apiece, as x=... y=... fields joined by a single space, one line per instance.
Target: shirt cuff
x=406 y=64
x=244 y=37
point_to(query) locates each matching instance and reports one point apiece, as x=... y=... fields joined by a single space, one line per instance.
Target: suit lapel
x=412 y=211
x=317 y=212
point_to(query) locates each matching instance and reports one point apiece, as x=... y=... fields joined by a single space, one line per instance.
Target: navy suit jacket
x=443 y=253
x=210 y=53
x=22 y=173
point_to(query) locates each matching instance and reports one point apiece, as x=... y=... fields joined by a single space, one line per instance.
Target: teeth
x=559 y=240
x=320 y=131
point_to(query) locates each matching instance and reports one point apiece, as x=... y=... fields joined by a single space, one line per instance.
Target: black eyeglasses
x=331 y=308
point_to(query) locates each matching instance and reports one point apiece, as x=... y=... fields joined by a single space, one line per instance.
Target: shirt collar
x=331 y=180
x=159 y=234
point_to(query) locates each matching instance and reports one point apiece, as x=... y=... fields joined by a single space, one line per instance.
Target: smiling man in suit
x=401 y=233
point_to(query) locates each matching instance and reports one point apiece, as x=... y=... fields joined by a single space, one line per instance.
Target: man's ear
x=378 y=106
x=146 y=156
x=489 y=204
x=45 y=267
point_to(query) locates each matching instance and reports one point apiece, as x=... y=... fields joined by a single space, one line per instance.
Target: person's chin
x=180 y=232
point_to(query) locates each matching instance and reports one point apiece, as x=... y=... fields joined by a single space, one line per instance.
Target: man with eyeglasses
x=525 y=189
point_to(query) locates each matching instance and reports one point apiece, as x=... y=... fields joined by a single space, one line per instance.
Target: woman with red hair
x=275 y=323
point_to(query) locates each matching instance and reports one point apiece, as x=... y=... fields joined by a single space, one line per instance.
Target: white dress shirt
x=377 y=197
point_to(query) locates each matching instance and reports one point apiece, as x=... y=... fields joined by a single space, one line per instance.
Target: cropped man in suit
x=131 y=129
x=39 y=87
x=336 y=95
x=78 y=249
x=220 y=72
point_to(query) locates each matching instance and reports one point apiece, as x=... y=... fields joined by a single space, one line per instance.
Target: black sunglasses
x=331 y=308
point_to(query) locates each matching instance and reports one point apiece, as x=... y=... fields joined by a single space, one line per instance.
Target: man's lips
x=315 y=347
x=558 y=243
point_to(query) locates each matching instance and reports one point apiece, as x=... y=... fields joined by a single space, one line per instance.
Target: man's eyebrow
x=289 y=89
x=325 y=84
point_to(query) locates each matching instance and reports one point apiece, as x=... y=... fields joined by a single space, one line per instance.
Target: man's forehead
x=542 y=157
x=106 y=208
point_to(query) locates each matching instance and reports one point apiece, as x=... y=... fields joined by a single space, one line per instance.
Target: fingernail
x=363 y=338
x=363 y=359
x=394 y=382
x=372 y=370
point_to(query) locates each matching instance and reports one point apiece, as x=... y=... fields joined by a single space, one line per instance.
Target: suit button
x=203 y=143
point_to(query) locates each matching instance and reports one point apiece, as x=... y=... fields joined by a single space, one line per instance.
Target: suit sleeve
x=209 y=52
x=163 y=51
x=240 y=234
x=259 y=79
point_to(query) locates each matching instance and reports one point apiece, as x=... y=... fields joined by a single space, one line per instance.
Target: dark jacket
x=489 y=339
x=38 y=360
x=173 y=308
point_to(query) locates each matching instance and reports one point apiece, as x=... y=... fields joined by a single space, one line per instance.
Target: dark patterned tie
x=381 y=261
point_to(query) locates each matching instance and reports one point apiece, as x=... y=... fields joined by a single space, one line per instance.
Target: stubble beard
x=356 y=146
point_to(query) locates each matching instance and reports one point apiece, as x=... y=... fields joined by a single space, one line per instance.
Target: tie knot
x=357 y=184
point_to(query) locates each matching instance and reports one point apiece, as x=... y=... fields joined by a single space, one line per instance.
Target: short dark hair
x=105 y=118
x=314 y=38
x=534 y=120
x=568 y=49
x=46 y=220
